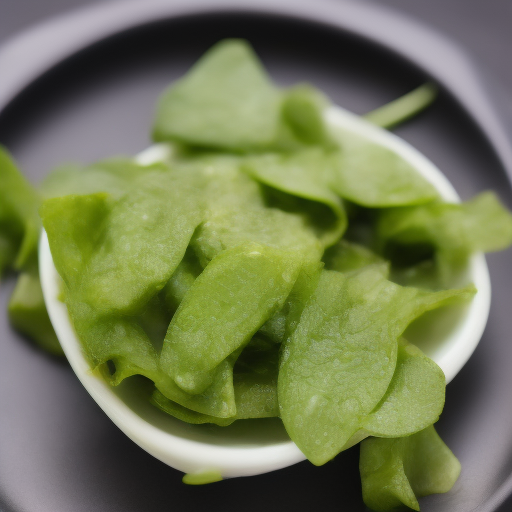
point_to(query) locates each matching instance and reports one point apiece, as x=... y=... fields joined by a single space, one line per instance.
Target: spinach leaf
x=237 y=292
x=450 y=231
x=346 y=256
x=28 y=315
x=339 y=362
x=414 y=399
x=394 y=472
x=225 y=101
x=374 y=176
x=304 y=174
x=19 y=221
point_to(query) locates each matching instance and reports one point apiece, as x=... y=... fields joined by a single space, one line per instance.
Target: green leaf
x=124 y=251
x=281 y=326
x=394 y=472
x=114 y=176
x=339 y=362
x=255 y=380
x=303 y=110
x=237 y=212
x=187 y=415
x=414 y=399
x=237 y=292
x=181 y=281
x=28 y=315
x=346 y=256
x=451 y=231
x=305 y=174
x=255 y=387
x=374 y=176
x=225 y=101
x=19 y=221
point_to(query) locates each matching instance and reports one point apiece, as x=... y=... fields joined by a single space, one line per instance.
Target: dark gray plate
x=83 y=87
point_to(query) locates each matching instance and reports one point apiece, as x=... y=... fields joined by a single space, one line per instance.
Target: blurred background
x=481 y=26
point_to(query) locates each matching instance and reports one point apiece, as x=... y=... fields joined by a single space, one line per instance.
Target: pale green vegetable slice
x=414 y=399
x=134 y=244
x=394 y=472
x=74 y=228
x=27 y=313
x=303 y=110
x=255 y=388
x=346 y=256
x=283 y=323
x=231 y=225
x=449 y=231
x=236 y=293
x=145 y=239
x=19 y=231
x=225 y=101
x=237 y=212
x=339 y=362
x=217 y=400
x=19 y=221
x=374 y=176
x=181 y=281
x=255 y=380
x=114 y=176
x=78 y=229
x=124 y=342
x=184 y=414
x=206 y=477
x=305 y=174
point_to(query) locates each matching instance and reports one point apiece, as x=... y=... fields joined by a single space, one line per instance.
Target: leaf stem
x=403 y=108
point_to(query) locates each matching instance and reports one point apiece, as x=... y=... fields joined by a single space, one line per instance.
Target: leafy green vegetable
x=305 y=174
x=414 y=399
x=128 y=248
x=339 y=362
x=449 y=231
x=19 y=221
x=226 y=101
x=181 y=280
x=395 y=471
x=28 y=315
x=347 y=256
x=237 y=212
x=238 y=291
x=255 y=387
x=184 y=414
x=207 y=477
x=19 y=232
x=114 y=176
x=284 y=322
x=303 y=109
x=255 y=380
x=374 y=176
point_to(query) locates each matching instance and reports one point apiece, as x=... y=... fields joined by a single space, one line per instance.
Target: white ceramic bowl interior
x=252 y=447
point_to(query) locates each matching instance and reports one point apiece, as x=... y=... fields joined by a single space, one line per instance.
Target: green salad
x=268 y=268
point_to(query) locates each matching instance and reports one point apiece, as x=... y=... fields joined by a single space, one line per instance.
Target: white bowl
x=251 y=447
